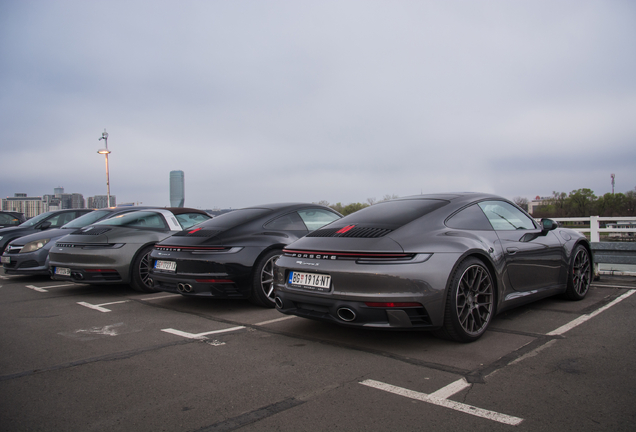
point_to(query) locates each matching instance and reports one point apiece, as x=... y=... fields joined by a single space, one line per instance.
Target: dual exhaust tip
x=343 y=313
x=184 y=288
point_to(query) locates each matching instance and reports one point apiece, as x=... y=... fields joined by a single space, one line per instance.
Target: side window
x=7 y=219
x=470 y=218
x=61 y=219
x=505 y=217
x=317 y=218
x=148 y=221
x=187 y=220
x=290 y=221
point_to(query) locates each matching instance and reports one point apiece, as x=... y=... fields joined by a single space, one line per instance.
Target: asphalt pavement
x=82 y=358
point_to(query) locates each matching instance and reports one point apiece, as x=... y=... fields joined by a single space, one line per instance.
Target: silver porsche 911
x=117 y=250
x=447 y=263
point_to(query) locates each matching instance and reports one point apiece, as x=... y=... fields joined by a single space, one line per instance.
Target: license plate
x=166 y=265
x=62 y=271
x=311 y=281
x=5 y=260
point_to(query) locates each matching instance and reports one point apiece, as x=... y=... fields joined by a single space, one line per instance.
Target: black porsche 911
x=447 y=263
x=232 y=255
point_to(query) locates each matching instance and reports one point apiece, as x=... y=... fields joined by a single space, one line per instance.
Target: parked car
x=41 y=222
x=447 y=263
x=232 y=255
x=29 y=255
x=9 y=219
x=116 y=250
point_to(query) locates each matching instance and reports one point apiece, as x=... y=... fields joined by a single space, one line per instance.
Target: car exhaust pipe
x=77 y=276
x=346 y=314
x=279 y=302
x=184 y=288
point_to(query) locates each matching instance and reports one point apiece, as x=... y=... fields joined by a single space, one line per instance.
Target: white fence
x=595 y=229
x=611 y=257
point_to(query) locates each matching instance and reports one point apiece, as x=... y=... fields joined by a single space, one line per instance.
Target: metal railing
x=608 y=252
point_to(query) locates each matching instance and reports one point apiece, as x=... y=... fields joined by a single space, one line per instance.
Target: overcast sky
x=271 y=101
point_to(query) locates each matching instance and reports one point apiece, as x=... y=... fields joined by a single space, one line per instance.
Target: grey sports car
x=116 y=250
x=446 y=263
x=29 y=255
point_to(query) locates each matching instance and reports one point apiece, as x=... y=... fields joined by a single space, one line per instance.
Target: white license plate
x=5 y=260
x=312 y=281
x=166 y=265
x=62 y=271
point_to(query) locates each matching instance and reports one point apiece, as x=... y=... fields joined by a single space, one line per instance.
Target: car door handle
x=512 y=250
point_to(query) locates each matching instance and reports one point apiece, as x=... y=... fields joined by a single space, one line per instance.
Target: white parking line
x=99 y=307
x=199 y=335
x=45 y=289
x=157 y=298
x=442 y=401
x=580 y=320
x=276 y=320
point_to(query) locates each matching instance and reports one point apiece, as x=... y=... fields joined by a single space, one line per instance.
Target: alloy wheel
x=474 y=300
x=581 y=272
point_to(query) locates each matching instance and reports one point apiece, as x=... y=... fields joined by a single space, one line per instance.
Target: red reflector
x=393 y=305
x=214 y=281
x=345 y=229
x=101 y=270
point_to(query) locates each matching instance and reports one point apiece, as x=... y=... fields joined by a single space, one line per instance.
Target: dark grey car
x=9 y=219
x=446 y=263
x=29 y=255
x=44 y=221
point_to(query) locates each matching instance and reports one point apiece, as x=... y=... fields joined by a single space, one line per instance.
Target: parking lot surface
x=86 y=358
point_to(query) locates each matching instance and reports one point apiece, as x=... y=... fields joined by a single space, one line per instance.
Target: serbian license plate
x=62 y=271
x=310 y=281
x=5 y=260
x=166 y=265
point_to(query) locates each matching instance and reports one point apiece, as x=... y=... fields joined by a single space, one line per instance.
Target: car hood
x=52 y=234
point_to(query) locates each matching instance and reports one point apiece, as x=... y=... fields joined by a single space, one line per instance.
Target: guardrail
x=608 y=252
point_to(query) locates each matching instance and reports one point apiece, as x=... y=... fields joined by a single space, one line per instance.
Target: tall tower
x=177 y=188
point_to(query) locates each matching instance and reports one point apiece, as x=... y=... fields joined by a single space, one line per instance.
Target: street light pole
x=106 y=152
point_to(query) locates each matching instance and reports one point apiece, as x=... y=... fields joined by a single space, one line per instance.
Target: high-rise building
x=30 y=206
x=177 y=188
x=101 y=201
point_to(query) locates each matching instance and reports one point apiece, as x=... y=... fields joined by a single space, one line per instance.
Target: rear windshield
x=234 y=218
x=392 y=214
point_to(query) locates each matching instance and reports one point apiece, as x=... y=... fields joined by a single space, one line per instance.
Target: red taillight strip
x=101 y=270
x=192 y=248
x=351 y=254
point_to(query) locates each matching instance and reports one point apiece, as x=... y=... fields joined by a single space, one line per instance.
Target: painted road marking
x=45 y=289
x=580 y=320
x=203 y=335
x=199 y=335
x=156 y=298
x=99 y=307
x=444 y=402
x=276 y=320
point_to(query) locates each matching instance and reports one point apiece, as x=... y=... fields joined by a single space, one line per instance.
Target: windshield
x=37 y=219
x=87 y=219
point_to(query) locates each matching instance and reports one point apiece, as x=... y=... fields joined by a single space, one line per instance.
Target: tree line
x=578 y=203
x=584 y=203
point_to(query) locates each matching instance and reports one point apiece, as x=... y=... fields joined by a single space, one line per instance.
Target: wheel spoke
x=474 y=300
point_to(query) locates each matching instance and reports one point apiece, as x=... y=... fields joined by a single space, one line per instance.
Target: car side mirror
x=45 y=225
x=548 y=225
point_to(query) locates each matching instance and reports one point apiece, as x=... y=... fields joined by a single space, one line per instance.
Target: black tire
x=139 y=280
x=263 y=293
x=470 y=304
x=580 y=274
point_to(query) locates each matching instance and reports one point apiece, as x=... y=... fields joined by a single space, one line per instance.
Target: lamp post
x=106 y=152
